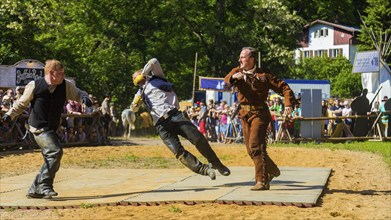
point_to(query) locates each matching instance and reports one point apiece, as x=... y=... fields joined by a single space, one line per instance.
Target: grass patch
x=226 y=157
x=86 y=206
x=381 y=148
x=132 y=162
x=174 y=209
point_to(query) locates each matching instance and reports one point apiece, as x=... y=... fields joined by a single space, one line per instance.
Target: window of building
x=335 y=52
x=324 y=32
x=306 y=54
x=320 y=53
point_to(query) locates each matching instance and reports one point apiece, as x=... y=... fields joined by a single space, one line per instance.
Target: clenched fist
x=138 y=100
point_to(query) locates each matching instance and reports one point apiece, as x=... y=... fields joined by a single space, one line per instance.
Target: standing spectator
x=106 y=118
x=115 y=120
x=325 y=122
x=236 y=122
x=384 y=117
x=337 y=125
x=47 y=96
x=296 y=124
x=211 y=123
x=19 y=92
x=210 y=104
x=238 y=127
x=193 y=115
x=347 y=112
x=278 y=111
x=202 y=118
x=360 y=106
x=96 y=107
x=8 y=100
x=223 y=118
x=272 y=109
x=376 y=107
x=1 y=94
x=253 y=85
x=73 y=108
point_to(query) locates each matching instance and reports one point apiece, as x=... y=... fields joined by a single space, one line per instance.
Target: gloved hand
x=138 y=100
x=6 y=118
x=87 y=101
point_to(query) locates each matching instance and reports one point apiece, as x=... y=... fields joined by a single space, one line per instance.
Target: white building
x=322 y=38
x=298 y=85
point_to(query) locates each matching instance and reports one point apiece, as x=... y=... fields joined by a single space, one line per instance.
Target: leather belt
x=253 y=107
x=167 y=115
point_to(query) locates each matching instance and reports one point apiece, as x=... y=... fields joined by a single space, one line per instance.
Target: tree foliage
x=377 y=19
x=103 y=42
x=337 y=70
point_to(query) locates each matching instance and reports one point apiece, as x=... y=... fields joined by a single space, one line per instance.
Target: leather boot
x=45 y=195
x=260 y=186
x=191 y=162
x=271 y=169
x=206 y=170
x=260 y=174
x=223 y=170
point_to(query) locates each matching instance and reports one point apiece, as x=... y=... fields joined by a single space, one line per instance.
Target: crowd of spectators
x=215 y=121
x=79 y=123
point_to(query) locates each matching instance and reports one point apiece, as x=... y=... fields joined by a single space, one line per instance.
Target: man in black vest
x=47 y=97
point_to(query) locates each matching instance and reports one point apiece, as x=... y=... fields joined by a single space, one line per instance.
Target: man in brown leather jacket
x=253 y=84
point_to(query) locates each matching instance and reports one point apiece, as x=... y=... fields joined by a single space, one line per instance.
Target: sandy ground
x=359 y=187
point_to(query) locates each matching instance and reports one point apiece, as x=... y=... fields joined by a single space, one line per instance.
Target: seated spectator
x=61 y=133
x=70 y=136
x=80 y=134
x=93 y=135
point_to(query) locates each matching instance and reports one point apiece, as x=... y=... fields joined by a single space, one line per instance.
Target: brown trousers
x=254 y=125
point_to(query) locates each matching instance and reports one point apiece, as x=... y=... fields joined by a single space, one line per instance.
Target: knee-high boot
x=271 y=168
x=261 y=177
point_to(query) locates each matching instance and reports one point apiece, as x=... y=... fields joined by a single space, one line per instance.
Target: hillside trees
x=103 y=42
x=377 y=20
x=338 y=70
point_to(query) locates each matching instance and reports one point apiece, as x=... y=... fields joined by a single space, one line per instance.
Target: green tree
x=378 y=24
x=336 y=11
x=338 y=70
x=103 y=42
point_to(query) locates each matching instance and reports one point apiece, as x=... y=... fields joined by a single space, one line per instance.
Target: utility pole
x=194 y=79
x=259 y=59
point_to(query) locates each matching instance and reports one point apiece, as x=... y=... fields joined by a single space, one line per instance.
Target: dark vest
x=46 y=107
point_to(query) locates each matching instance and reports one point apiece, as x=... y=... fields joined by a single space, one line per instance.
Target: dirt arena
x=359 y=186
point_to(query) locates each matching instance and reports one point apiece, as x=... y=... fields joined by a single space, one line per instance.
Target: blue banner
x=208 y=83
